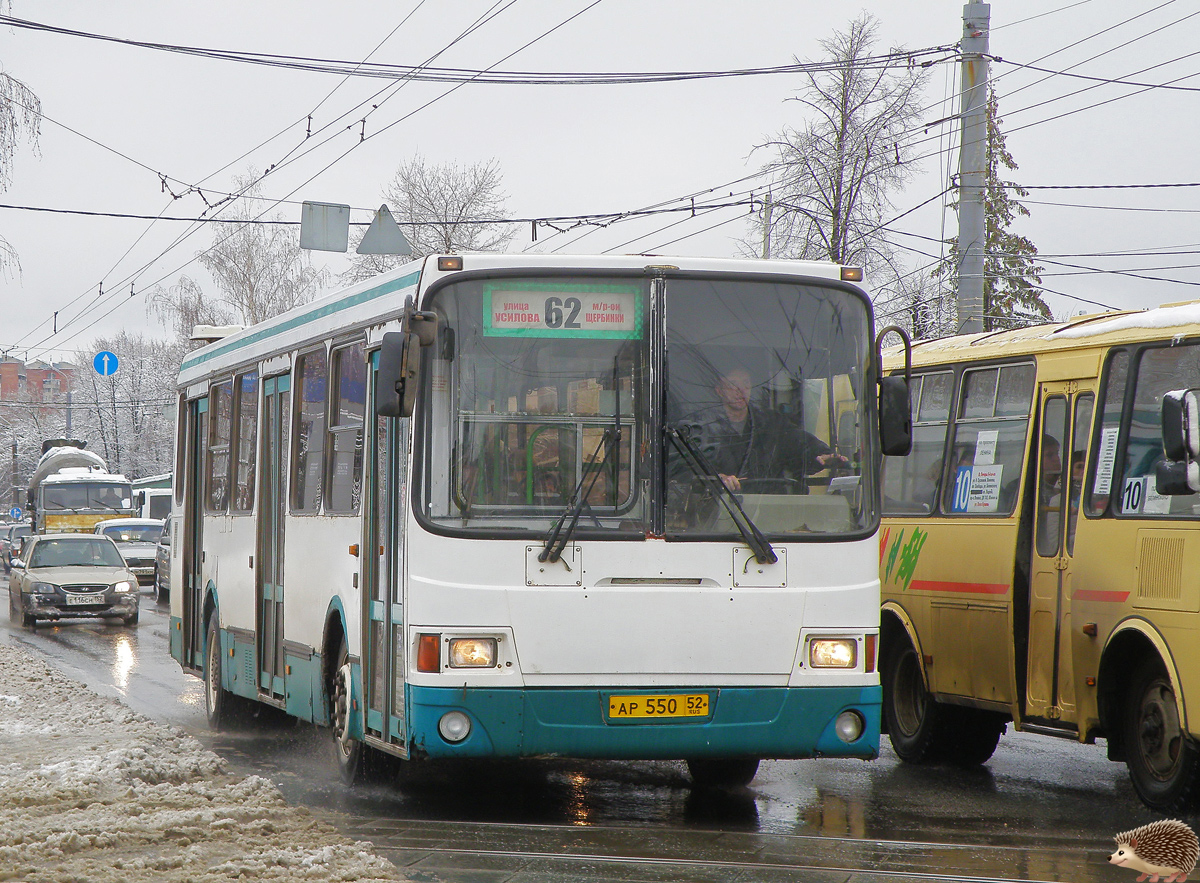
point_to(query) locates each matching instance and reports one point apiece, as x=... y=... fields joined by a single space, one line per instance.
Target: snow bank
x=90 y=790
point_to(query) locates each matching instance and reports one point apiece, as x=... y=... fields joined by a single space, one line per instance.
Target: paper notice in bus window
x=1105 y=460
x=530 y=309
x=984 y=492
x=985 y=447
x=1133 y=495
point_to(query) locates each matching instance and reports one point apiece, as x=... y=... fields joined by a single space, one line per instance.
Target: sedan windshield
x=75 y=552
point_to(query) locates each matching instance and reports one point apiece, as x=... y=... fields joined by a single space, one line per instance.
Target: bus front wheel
x=911 y=713
x=1163 y=761
x=358 y=763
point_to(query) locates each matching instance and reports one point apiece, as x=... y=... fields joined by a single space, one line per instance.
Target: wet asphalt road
x=1041 y=809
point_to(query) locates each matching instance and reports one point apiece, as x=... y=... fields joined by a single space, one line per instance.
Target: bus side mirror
x=1181 y=424
x=895 y=416
x=1174 y=479
x=399 y=368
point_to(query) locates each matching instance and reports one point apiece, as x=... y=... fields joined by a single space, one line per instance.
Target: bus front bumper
x=758 y=722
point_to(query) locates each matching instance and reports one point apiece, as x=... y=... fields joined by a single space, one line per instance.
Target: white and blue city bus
x=468 y=508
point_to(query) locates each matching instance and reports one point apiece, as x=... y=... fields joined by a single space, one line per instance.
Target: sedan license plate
x=83 y=599
x=667 y=705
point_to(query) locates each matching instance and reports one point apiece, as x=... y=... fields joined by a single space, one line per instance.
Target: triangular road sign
x=384 y=236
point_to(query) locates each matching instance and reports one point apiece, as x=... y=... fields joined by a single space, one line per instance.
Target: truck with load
x=71 y=489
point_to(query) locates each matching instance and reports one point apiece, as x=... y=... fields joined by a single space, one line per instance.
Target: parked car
x=65 y=576
x=162 y=565
x=12 y=541
x=136 y=539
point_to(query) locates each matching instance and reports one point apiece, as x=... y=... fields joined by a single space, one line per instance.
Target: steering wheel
x=770 y=486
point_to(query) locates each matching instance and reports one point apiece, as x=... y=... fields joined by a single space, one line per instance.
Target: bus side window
x=1104 y=462
x=308 y=456
x=1160 y=369
x=992 y=421
x=246 y=448
x=345 y=444
x=911 y=483
x=220 y=433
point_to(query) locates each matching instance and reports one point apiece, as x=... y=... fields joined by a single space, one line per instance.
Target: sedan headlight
x=41 y=588
x=472 y=652
x=123 y=586
x=833 y=652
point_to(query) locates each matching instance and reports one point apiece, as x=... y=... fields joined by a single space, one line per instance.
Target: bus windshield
x=546 y=390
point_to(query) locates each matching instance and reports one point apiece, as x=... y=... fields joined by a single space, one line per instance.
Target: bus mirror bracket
x=399 y=369
x=895 y=400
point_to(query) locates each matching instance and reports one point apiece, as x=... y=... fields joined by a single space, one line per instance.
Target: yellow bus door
x=1065 y=425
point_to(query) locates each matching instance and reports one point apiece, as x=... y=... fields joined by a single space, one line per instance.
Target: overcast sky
x=119 y=117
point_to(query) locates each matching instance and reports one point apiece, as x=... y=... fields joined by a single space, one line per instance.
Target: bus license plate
x=83 y=599
x=680 y=705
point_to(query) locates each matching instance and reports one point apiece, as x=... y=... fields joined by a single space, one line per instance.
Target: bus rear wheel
x=1164 y=763
x=215 y=698
x=724 y=772
x=913 y=717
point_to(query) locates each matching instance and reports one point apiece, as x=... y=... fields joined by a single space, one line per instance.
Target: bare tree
x=441 y=208
x=919 y=303
x=832 y=177
x=258 y=267
x=127 y=417
x=20 y=116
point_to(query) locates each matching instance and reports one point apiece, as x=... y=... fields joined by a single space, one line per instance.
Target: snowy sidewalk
x=92 y=791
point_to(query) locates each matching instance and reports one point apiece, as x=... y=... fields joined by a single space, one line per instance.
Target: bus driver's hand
x=730 y=481
x=833 y=460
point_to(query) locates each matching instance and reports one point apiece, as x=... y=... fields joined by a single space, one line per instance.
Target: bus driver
x=744 y=442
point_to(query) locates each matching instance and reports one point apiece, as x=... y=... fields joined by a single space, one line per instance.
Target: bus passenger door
x=1065 y=426
x=193 y=626
x=269 y=573
x=380 y=565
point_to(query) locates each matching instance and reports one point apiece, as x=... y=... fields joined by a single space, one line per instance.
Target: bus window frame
x=235 y=440
x=1089 y=511
x=955 y=373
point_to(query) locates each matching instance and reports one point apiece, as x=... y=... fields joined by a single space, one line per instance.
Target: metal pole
x=972 y=167
x=768 y=209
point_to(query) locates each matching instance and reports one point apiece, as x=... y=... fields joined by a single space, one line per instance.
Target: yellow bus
x=1034 y=571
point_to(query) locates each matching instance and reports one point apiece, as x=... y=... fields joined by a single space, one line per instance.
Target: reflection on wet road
x=1042 y=809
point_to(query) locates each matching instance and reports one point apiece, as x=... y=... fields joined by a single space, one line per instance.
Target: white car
x=137 y=540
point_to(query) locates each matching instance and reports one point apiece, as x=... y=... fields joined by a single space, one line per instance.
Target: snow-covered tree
x=440 y=208
x=128 y=417
x=833 y=175
x=1011 y=276
x=20 y=118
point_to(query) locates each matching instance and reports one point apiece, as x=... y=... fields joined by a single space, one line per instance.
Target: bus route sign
x=530 y=309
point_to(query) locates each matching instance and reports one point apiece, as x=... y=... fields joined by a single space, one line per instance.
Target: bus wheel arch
x=1131 y=644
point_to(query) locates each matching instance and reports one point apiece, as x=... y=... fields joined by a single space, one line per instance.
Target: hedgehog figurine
x=1168 y=849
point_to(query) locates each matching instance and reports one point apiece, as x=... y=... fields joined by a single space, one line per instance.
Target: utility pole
x=973 y=166
x=767 y=210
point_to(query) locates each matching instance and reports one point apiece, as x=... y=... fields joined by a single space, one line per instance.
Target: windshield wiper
x=558 y=538
x=696 y=461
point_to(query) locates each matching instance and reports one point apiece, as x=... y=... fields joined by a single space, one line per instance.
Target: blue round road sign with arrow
x=15 y=513
x=105 y=363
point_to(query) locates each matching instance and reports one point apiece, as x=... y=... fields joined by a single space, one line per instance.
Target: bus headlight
x=833 y=652
x=472 y=652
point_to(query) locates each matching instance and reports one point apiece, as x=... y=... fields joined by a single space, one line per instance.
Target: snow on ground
x=92 y=791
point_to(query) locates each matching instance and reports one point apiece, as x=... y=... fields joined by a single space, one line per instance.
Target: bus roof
x=1094 y=330
x=378 y=300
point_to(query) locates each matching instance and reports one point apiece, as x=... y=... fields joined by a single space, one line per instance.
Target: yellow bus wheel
x=1163 y=761
x=910 y=712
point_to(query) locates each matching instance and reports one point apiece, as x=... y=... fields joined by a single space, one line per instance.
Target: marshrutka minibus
x=468 y=509
x=1040 y=550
